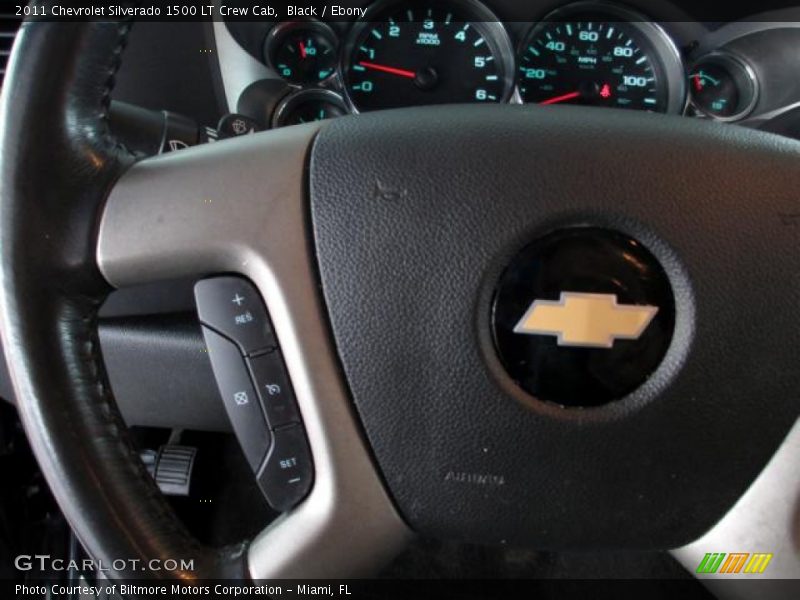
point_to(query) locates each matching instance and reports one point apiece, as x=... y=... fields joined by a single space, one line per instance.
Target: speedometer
x=406 y=54
x=578 y=56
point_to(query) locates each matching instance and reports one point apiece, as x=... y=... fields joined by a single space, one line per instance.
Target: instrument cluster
x=591 y=52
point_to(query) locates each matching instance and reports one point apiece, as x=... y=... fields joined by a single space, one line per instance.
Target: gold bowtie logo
x=587 y=320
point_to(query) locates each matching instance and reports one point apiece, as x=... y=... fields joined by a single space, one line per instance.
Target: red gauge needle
x=564 y=98
x=302 y=50
x=390 y=70
x=698 y=84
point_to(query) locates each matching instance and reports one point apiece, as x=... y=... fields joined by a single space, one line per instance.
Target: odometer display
x=412 y=55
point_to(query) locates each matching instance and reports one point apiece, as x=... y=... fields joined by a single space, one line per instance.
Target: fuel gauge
x=723 y=87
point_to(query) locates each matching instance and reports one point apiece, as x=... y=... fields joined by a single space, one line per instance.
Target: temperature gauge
x=308 y=106
x=723 y=87
x=302 y=52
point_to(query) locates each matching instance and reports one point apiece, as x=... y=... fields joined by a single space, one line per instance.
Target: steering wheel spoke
x=238 y=206
x=217 y=207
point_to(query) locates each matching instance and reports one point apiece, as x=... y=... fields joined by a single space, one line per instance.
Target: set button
x=288 y=472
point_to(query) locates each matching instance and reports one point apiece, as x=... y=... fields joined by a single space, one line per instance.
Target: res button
x=233 y=307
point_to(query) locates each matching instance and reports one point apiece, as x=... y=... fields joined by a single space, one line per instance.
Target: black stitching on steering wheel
x=123 y=30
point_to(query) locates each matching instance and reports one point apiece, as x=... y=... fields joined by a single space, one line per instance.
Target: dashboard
x=398 y=53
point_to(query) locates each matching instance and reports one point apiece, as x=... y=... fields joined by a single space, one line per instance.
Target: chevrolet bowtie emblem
x=586 y=320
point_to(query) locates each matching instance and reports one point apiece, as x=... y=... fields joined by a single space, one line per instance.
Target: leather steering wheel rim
x=59 y=161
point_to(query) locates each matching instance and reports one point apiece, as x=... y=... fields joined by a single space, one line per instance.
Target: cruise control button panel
x=287 y=473
x=255 y=388
x=233 y=307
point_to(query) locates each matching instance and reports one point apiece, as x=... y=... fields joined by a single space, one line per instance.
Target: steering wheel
x=402 y=256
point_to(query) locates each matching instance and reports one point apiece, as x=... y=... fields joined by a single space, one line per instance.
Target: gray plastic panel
x=160 y=373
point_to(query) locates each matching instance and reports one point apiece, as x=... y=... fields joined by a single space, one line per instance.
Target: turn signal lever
x=149 y=132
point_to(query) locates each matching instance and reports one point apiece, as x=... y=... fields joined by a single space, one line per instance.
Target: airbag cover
x=416 y=213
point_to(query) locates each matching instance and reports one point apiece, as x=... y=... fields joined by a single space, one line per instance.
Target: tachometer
x=406 y=54
x=578 y=56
